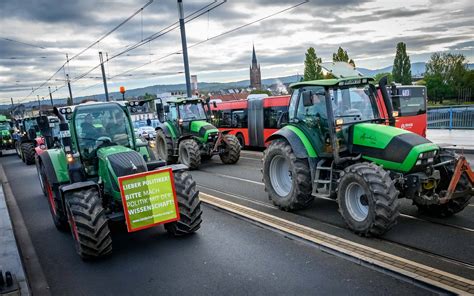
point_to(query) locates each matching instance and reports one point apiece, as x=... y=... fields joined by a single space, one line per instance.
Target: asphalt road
x=228 y=256
x=451 y=238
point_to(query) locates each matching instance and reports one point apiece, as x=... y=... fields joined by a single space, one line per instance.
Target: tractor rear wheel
x=88 y=223
x=28 y=152
x=287 y=178
x=59 y=218
x=232 y=150
x=18 y=149
x=41 y=176
x=164 y=146
x=463 y=190
x=189 y=154
x=368 y=199
x=189 y=206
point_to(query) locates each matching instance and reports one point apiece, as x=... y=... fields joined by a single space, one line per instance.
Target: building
x=255 y=77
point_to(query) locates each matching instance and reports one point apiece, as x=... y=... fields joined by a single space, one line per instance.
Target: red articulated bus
x=252 y=121
x=410 y=103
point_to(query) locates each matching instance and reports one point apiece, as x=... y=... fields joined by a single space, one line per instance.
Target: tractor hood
x=396 y=149
x=115 y=162
x=5 y=133
x=203 y=129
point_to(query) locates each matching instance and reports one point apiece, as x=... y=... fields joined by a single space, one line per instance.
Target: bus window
x=270 y=116
x=239 y=118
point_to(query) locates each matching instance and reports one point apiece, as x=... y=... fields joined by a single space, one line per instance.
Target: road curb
x=412 y=271
x=35 y=279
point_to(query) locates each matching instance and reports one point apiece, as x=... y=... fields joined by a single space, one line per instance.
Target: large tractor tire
x=164 y=147
x=28 y=152
x=287 y=178
x=189 y=206
x=41 y=176
x=18 y=149
x=232 y=150
x=190 y=154
x=368 y=199
x=88 y=223
x=463 y=191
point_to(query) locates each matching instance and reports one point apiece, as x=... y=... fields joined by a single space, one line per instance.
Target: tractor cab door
x=308 y=111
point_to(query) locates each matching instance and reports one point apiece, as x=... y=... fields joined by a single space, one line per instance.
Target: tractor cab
x=188 y=114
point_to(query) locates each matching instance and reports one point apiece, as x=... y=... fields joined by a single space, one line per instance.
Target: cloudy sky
x=36 y=35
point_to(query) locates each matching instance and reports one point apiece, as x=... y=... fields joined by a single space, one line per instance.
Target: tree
x=401 y=65
x=342 y=56
x=380 y=75
x=445 y=76
x=312 y=66
x=261 y=91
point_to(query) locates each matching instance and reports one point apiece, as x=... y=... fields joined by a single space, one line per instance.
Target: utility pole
x=39 y=104
x=70 y=92
x=103 y=76
x=185 y=48
x=12 y=107
x=50 y=96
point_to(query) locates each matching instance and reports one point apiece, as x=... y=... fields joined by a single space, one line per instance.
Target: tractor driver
x=88 y=129
x=116 y=128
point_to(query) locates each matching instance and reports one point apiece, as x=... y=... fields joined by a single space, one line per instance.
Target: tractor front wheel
x=41 y=176
x=189 y=154
x=368 y=199
x=232 y=150
x=287 y=178
x=18 y=149
x=88 y=223
x=189 y=206
x=28 y=152
x=164 y=147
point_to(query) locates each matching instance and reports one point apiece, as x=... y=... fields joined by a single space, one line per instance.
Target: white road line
x=235 y=178
x=434 y=222
x=240 y=197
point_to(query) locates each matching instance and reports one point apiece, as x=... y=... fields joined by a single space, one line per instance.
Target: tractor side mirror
x=214 y=104
x=166 y=108
x=307 y=98
x=160 y=112
x=282 y=118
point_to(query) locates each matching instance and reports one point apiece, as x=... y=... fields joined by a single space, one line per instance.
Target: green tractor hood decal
x=5 y=133
x=203 y=129
x=394 y=148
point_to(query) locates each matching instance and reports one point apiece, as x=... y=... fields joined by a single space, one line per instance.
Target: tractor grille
x=123 y=163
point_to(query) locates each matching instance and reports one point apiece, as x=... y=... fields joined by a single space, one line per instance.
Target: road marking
x=234 y=178
x=440 y=223
x=363 y=254
x=251 y=158
x=260 y=203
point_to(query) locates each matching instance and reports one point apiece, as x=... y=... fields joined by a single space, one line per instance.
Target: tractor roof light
x=180 y=121
x=70 y=158
x=339 y=121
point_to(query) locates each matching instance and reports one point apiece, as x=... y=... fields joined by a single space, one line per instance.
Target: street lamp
x=122 y=90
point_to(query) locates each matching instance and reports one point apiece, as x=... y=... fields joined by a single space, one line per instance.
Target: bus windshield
x=410 y=101
x=355 y=103
x=192 y=111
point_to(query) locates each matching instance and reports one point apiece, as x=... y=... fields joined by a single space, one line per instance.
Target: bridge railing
x=453 y=117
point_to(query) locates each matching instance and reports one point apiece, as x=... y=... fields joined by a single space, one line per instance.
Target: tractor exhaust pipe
x=387 y=100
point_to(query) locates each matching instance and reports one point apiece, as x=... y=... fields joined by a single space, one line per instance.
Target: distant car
x=146 y=132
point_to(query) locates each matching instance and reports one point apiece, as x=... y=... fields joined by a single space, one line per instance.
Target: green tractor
x=6 y=139
x=82 y=177
x=25 y=145
x=186 y=136
x=334 y=145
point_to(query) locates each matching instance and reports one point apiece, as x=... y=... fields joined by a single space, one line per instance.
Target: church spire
x=254 y=56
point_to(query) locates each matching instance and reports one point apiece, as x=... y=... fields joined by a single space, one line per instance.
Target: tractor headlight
x=420 y=156
x=69 y=110
x=9 y=141
x=418 y=162
x=430 y=160
x=42 y=147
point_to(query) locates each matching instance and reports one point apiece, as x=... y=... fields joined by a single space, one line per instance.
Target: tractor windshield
x=355 y=103
x=98 y=125
x=192 y=111
x=4 y=126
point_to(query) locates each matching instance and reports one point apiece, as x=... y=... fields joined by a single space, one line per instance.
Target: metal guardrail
x=453 y=117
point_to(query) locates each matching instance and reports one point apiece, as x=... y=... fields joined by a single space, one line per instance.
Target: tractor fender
x=64 y=189
x=297 y=140
x=167 y=129
x=55 y=165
